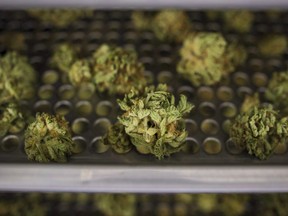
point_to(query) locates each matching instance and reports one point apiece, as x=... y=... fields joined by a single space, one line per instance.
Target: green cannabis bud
x=116 y=204
x=117 y=70
x=11 y=119
x=80 y=73
x=142 y=20
x=277 y=91
x=238 y=20
x=63 y=57
x=273 y=45
x=48 y=138
x=59 y=17
x=17 y=78
x=117 y=138
x=153 y=122
x=249 y=102
x=259 y=130
x=171 y=25
x=12 y=41
x=202 y=58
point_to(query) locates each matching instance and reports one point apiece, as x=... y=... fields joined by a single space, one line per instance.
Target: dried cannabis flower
x=48 y=138
x=80 y=73
x=153 y=121
x=259 y=130
x=12 y=41
x=17 y=78
x=116 y=70
x=277 y=91
x=249 y=102
x=11 y=119
x=273 y=45
x=117 y=139
x=202 y=58
x=141 y=20
x=59 y=17
x=239 y=20
x=171 y=25
x=64 y=56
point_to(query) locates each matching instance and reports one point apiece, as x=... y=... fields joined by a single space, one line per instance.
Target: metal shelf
x=130 y=4
x=140 y=179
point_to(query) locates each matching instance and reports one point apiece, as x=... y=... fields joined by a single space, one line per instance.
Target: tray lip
x=142 y=4
x=143 y=179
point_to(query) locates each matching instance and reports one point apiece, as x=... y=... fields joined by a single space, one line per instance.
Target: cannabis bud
x=11 y=119
x=249 y=102
x=80 y=73
x=202 y=58
x=60 y=17
x=277 y=91
x=259 y=130
x=12 y=40
x=117 y=138
x=117 y=70
x=239 y=20
x=17 y=78
x=64 y=56
x=153 y=122
x=273 y=45
x=48 y=138
x=168 y=25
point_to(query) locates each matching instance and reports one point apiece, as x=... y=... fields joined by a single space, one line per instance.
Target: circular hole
x=79 y=145
x=97 y=146
x=66 y=92
x=86 y=91
x=165 y=77
x=256 y=64
x=43 y=106
x=191 y=126
x=187 y=91
x=233 y=148
x=101 y=125
x=149 y=77
x=205 y=93
x=259 y=79
x=228 y=110
x=274 y=65
x=226 y=126
x=191 y=146
x=46 y=92
x=50 y=77
x=80 y=125
x=103 y=108
x=84 y=108
x=241 y=79
x=62 y=107
x=243 y=91
x=281 y=148
x=210 y=127
x=212 y=146
x=207 y=109
x=225 y=93
x=10 y=143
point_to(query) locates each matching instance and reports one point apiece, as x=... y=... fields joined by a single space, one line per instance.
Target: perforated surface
x=91 y=114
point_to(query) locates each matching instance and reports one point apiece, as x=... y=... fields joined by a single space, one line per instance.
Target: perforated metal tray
x=208 y=143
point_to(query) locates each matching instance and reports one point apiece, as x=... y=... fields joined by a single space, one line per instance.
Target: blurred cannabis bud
x=59 y=17
x=277 y=91
x=273 y=45
x=272 y=204
x=238 y=20
x=168 y=25
x=12 y=41
x=153 y=121
x=11 y=119
x=80 y=73
x=116 y=204
x=117 y=139
x=64 y=56
x=17 y=78
x=249 y=102
x=48 y=138
x=259 y=130
x=202 y=58
x=116 y=70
